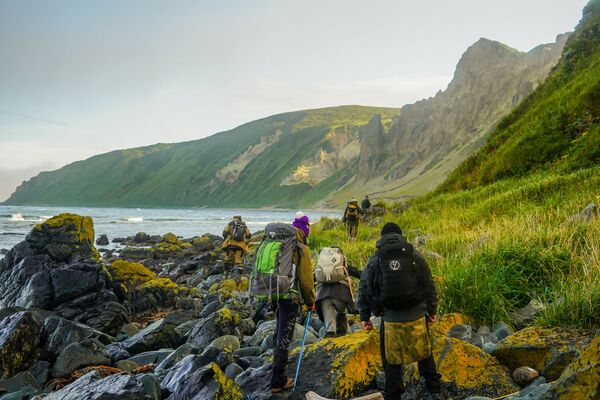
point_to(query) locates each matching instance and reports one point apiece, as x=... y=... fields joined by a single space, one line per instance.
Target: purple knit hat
x=301 y=222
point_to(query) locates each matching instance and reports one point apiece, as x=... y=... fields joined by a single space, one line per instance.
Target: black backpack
x=395 y=281
x=238 y=231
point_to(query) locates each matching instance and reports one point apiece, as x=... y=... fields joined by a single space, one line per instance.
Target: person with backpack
x=397 y=285
x=282 y=275
x=366 y=204
x=351 y=218
x=302 y=222
x=235 y=246
x=334 y=291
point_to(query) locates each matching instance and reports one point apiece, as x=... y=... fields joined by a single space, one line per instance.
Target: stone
x=581 y=379
x=93 y=387
x=233 y=370
x=265 y=332
x=127 y=365
x=466 y=371
x=180 y=371
x=158 y=334
x=462 y=332
x=528 y=313
x=252 y=351
x=207 y=383
x=185 y=328
x=19 y=343
x=220 y=323
x=151 y=357
x=40 y=371
x=256 y=382
x=548 y=350
x=524 y=375
x=227 y=343
x=501 y=330
x=127 y=331
x=80 y=354
x=590 y=212
x=141 y=237
x=211 y=308
x=339 y=367
x=179 y=354
x=150 y=386
x=102 y=240
x=22 y=385
x=116 y=352
x=440 y=328
x=62 y=332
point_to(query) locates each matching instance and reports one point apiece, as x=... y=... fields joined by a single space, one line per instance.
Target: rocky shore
x=161 y=317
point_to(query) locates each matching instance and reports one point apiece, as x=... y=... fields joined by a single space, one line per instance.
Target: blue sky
x=80 y=77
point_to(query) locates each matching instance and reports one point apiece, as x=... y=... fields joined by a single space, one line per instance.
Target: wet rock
x=501 y=330
x=151 y=357
x=548 y=350
x=233 y=370
x=135 y=253
x=116 y=352
x=180 y=371
x=158 y=334
x=340 y=367
x=524 y=375
x=256 y=382
x=62 y=332
x=220 y=323
x=19 y=343
x=179 y=354
x=80 y=354
x=141 y=237
x=207 y=383
x=21 y=386
x=183 y=329
x=102 y=240
x=92 y=387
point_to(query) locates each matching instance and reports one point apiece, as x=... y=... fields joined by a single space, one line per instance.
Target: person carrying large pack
x=283 y=276
x=397 y=285
x=235 y=246
x=334 y=290
x=351 y=218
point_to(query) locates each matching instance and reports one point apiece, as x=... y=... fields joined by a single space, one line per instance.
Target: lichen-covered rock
x=102 y=240
x=444 y=324
x=228 y=286
x=341 y=367
x=92 y=387
x=581 y=379
x=207 y=383
x=80 y=354
x=467 y=370
x=19 y=343
x=220 y=323
x=159 y=334
x=548 y=350
x=57 y=268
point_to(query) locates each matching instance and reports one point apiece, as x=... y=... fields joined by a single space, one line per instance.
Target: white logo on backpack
x=331 y=266
x=395 y=265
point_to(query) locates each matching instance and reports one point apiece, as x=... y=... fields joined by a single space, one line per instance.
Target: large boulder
x=207 y=383
x=61 y=332
x=220 y=323
x=341 y=367
x=581 y=379
x=159 y=334
x=57 y=268
x=93 y=387
x=21 y=386
x=548 y=350
x=80 y=354
x=19 y=343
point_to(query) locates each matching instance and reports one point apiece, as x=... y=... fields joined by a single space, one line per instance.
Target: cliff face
x=313 y=157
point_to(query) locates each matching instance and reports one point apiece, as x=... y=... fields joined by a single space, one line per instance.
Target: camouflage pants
x=234 y=256
x=352 y=228
x=284 y=333
x=394 y=387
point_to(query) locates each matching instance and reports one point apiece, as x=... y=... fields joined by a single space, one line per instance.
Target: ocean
x=16 y=221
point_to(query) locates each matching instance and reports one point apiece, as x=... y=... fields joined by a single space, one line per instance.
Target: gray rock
x=489 y=347
x=116 y=352
x=150 y=386
x=590 y=212
x=256 y=382
x=220 y=323
x=62 y=332
x=478 y=398
x=127 y=365
x=159 y=334
x=527 y=313
x=151 y=357
x=102 y=240
x=179 y=354
x=501 y=329
x=78 y=355
x=228 y=343
x=462 y=332
x=19 y=343
x=203 y=384
x=91 y=387
x=183 y=329
x=40 y=371
x=484 y=330
x=524 y=375
x=532 y=387
x=233 y=370
x=128 y=330
x=179 y=373
x=211 y=308
x=22 y=385
x=249 y=351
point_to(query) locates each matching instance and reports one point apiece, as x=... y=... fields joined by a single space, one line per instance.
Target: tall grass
x=501 y=246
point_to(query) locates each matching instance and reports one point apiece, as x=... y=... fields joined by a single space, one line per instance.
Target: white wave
x=44 y=218
x=17 y=217
x=134 y=219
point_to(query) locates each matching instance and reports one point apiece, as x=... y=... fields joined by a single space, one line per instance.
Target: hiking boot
x=288 y=384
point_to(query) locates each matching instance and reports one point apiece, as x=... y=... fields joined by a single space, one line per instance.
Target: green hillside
x=187 y=174
x=557 y=128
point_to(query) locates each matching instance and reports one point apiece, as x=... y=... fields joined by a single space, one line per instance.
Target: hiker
x=283 y=275
x=351 y=218
x=235 y=246
x=366 y=204
x=301 y=222
x=334 y=291
x=397 y=285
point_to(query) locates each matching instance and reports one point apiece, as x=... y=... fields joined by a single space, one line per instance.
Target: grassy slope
x=181 y=174
x=500 y=220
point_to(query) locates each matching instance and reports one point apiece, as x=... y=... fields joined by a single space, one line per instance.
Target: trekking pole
x=301 y=350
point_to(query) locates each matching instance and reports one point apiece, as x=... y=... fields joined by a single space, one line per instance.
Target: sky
x=78 y=78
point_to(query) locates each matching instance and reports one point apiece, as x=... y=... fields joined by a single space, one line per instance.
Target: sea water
x=17 y=221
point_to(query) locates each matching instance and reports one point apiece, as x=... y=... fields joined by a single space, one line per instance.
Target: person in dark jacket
x=366 y=204
x=405 y=318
